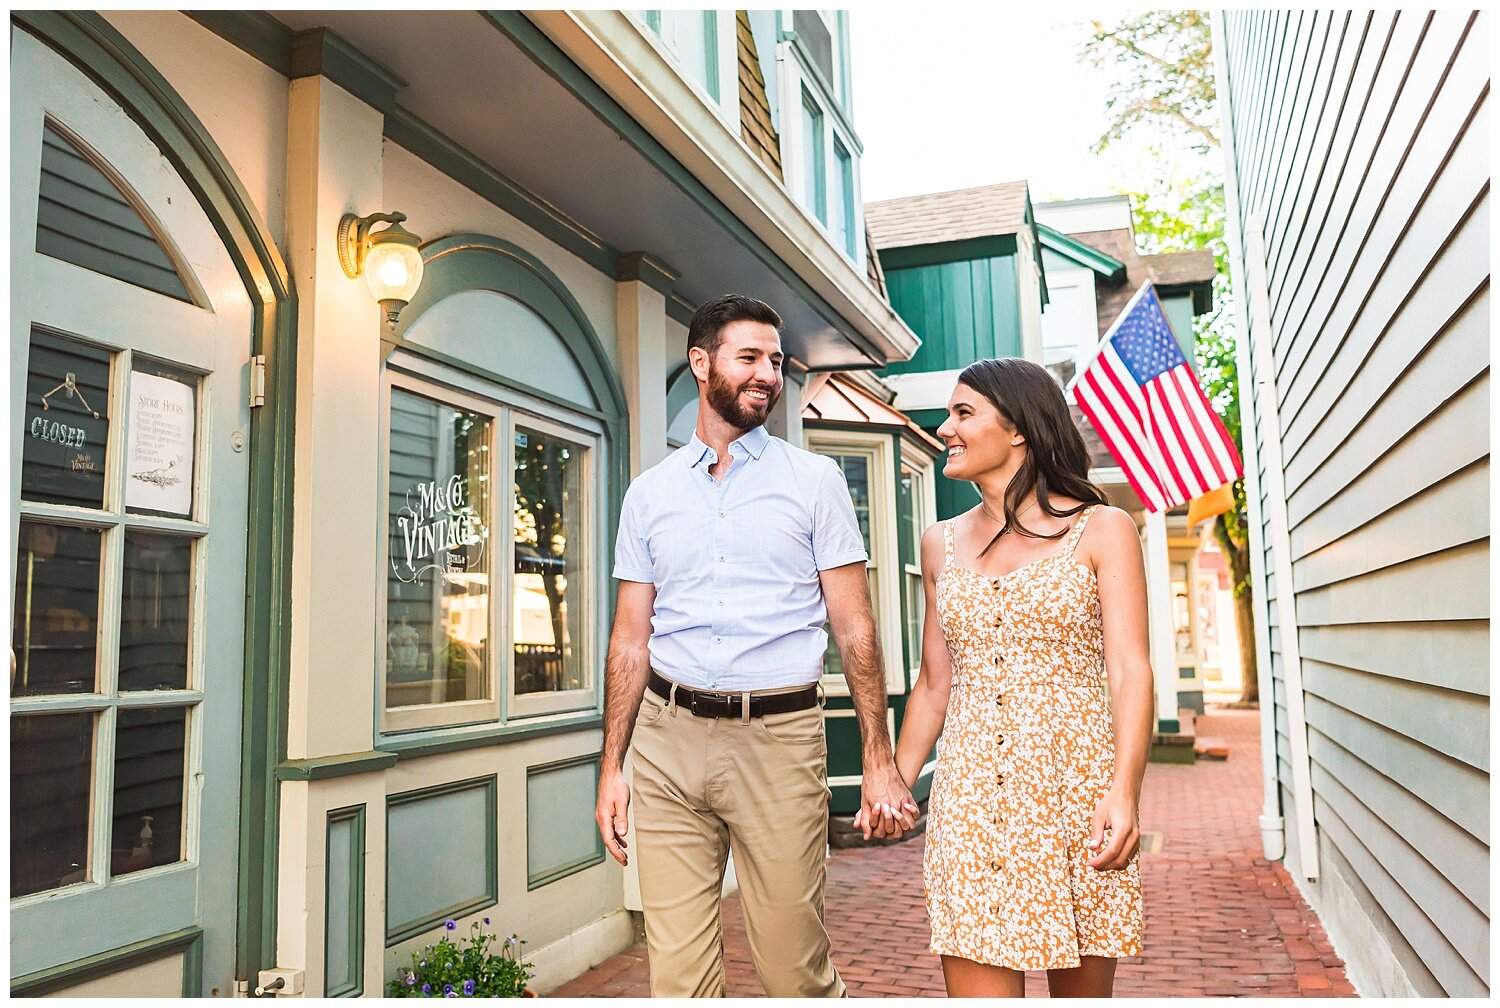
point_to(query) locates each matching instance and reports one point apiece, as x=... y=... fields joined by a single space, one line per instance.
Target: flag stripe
x=1168 y=433
x=1194 y=407
x=1187 y=415
x=1122 y=444
x=1220 y=442
x=1131 y=399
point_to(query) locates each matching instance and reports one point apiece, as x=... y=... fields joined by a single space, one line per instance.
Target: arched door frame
x=87 y=41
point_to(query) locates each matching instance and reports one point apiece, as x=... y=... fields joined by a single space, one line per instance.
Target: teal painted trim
x=711 y=55
x=937 y=253
x=653 y=20
x=1036 y=252
x=102 y=53
x=813 y=72
x=679 y=310
x=545 y=53
x=322 y=52
x=397 y=933
x=1168 y=726
x=480 y=262
x=79 y=971
x=269 y=41
x=254 y=32
x=329 y=767
x=470 y=171
x=429 y=745
x=356 y=857
x=928 y=419
x=1109 y=268
x=578 y=864
x=468 y=367
x=648 y=269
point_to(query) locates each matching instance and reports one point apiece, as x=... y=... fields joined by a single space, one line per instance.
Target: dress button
x=999 y=738
x=995 y=908
x=994 y=866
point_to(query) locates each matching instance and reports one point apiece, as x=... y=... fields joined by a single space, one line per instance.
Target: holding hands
x=886 y=806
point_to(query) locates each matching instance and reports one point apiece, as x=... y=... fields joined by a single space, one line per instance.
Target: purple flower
x=486 y=920
x=468 y=988
x=450 y=924
x=411 y=979
x=450 y=994
x=427 y=988
x=447 y=988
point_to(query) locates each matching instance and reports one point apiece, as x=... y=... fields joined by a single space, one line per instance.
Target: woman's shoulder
x=1109 y=524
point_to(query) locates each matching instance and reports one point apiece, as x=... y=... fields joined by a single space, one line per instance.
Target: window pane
x=154 y=611
x=857 y=474
x=843 y=201
x=55 y=640
x=550 y=548
x=161 y=431
x=67 y=422
x=438 y=584
x=51 y=767
x=150 y=760
x=813 y=32
x=814 y=181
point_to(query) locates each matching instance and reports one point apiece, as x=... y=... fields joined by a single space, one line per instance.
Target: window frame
x=720 y=91
x=885 y=598
x=503 y=404
x=114 y=521
x=799 y=79
x=924 y=515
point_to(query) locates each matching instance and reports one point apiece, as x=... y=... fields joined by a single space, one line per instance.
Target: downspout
x=1272 y=825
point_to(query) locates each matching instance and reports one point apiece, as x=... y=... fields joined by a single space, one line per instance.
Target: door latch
x=258 y=380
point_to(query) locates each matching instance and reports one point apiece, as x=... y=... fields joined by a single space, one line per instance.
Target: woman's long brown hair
x=1056 y=462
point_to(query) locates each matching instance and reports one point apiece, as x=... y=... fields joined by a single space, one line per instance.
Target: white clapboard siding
x=1361 y=141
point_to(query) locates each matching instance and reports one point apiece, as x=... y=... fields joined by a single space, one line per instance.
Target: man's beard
x=725 y=400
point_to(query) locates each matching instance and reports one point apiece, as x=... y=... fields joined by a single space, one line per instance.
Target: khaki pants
x=704 y=787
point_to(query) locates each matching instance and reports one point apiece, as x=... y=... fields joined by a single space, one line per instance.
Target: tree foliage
x=1164 y=78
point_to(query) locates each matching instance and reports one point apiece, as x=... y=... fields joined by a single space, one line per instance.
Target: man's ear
x=698 y=361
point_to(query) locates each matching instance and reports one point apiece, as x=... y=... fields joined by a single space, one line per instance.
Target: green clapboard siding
x=963 y=310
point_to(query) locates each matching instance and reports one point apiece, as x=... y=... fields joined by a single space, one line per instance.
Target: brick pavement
x=1220 y=919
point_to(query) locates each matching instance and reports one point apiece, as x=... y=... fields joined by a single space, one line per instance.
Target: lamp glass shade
x=393 y=270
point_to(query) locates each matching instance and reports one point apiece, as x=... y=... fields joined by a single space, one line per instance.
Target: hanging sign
x=159 y=457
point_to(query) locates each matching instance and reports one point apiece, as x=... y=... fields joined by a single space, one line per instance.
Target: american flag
x=1145 y=402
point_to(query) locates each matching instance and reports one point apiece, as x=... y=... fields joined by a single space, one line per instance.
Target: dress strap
x=1077 y=533
x=948 y=542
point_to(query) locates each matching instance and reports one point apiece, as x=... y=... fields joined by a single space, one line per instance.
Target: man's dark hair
x=706 y=330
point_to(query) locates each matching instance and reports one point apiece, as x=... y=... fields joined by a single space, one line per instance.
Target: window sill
x=431 y=744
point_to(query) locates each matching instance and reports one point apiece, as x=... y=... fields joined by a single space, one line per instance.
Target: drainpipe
x=1272 y=825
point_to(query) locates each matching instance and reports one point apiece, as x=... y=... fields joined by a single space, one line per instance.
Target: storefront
x=311 y=609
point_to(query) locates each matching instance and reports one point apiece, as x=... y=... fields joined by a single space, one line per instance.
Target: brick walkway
x=1220 y=920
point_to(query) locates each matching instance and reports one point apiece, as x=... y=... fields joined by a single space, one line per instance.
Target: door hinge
x=242 y=988
x=258 y=380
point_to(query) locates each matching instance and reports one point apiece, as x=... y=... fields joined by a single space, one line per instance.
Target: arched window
x=503 y=426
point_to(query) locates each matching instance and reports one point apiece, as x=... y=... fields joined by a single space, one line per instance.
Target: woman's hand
x=1116 y=818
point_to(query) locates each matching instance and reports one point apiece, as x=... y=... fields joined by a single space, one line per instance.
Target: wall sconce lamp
x=389 y=259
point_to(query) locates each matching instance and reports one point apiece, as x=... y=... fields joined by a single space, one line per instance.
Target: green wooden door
x=130 y=333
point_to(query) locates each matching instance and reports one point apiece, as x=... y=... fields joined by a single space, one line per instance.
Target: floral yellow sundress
x=1027 y=752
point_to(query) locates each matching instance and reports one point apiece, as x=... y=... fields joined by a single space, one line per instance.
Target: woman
x=1033 y=825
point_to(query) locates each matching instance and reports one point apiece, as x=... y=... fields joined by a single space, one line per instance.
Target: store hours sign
x=436 y=531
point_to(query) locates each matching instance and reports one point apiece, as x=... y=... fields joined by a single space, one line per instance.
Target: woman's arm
x=928 y=704
x=1115 y=547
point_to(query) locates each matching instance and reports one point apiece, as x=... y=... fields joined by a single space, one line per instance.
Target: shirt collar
x=753 y=441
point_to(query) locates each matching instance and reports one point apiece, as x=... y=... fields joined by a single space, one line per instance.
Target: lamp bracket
x=354 y=239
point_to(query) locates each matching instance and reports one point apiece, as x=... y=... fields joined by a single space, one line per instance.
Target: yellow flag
x=1215 y=502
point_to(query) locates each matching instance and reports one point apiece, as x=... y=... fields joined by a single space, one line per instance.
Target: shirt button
x=720 y=602
x=721 y=559
x=718 y=640
x=721 y=514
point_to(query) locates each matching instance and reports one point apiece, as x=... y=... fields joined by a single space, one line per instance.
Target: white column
x=785 y=420
x=641 y=288
x=334 y=152
x=1159 y=618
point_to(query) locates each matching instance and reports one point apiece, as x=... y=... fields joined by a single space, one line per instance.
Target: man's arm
x=847 y=595
x=626 y=669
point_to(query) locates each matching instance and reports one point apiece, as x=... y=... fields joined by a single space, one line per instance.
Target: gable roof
x=980 y=212
x=836 y=398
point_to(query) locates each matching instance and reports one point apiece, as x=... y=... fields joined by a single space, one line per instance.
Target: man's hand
x=886 y=807
x=610 y=813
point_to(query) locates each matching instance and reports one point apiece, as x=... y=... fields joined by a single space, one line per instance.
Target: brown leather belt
x=709 y=703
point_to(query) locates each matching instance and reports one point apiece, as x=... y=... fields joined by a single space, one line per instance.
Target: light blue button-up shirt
x=738 y=602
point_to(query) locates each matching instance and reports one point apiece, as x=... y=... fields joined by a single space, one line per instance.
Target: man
x=731 y=555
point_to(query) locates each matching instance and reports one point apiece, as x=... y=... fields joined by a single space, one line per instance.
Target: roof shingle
x=980 y=212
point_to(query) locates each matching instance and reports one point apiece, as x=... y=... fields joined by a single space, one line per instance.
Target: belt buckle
x=712 y=704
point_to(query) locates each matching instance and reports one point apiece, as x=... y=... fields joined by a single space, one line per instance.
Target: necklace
x=997 y=521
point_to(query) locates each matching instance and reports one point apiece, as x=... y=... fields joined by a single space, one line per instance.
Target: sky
x=974 y=96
